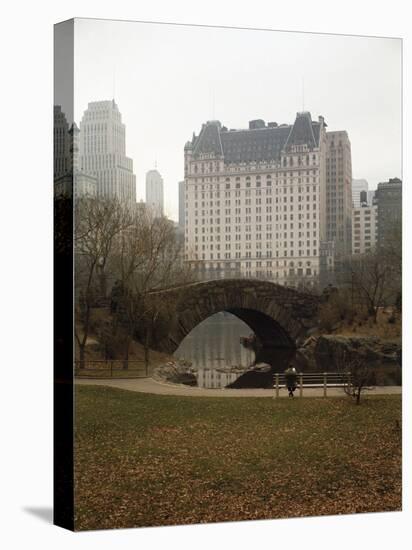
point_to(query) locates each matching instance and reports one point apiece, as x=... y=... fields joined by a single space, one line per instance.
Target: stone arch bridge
x=278 y=315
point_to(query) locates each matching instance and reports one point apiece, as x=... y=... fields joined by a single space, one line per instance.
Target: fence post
x=277 y=384
x=325 y=381
x=300 y=385
x=111 y=369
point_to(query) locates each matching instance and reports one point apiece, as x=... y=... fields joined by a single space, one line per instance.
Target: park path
x=149 y=385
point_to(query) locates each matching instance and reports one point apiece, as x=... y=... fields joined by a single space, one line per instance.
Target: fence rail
x=119 y=368
x=323 y=380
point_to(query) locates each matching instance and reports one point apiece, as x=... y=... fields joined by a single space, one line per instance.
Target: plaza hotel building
x=255 y=201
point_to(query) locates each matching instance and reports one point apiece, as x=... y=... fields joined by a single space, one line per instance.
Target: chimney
x=255 y=124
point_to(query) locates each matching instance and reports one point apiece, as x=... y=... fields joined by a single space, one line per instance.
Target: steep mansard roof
x=259 y=144
x=302 y=131
x=254 y=145
x=209 y=139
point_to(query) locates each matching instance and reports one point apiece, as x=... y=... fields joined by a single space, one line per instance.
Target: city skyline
x=182 y=83
x=271 y=286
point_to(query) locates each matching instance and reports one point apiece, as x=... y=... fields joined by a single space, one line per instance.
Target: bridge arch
x=279 y=316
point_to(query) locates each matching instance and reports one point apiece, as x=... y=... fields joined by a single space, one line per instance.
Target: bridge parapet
x=278 y=315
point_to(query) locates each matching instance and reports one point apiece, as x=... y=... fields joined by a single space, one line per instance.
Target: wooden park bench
x=323 y=380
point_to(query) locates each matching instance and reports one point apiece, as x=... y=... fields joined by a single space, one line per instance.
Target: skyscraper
x=364 y=228
x=154 y=192
x=339 y=192
x=103 y=151
x=358 y=186
x=371 y=196
x=68 y=179
x=61 y=143
x=389 y=201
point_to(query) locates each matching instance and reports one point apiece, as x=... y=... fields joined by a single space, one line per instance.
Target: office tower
x=371 y=199
x=67 y=175
x=61 y=143
x=154 y=192
x=389 y=202
x=358 y=185
x=339 y=192
x=103 y=152
x=364 y=227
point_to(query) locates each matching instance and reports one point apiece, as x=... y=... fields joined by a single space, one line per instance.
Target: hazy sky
x=169 y=79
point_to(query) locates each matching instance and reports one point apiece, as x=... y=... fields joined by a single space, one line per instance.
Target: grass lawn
x=159 y=460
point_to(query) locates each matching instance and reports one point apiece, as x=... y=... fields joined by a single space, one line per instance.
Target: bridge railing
x=110 y=368
x=323 y=380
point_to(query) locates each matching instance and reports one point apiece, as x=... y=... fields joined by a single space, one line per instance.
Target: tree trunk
x=126 y=357
x=147 y=351
x=82 y=355
x=103 y=285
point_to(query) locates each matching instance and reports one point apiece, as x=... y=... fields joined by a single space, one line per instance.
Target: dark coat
x=291 y=378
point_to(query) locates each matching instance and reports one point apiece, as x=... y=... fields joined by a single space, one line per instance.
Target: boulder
x=176 y=373
x=305 y=355
x=257 y=376
x=383 y=356
x=261 y=367
x=373 y=349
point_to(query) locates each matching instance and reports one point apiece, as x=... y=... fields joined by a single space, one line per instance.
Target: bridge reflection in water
x=214 y=349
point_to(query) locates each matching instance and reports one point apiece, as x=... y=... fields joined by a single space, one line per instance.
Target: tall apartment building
x=103 y=151
x=154 y=192
x=339 y=192
x=389 y=201
x=358 y=185
x=255 y=200
x=364 y=226
x=182 y=204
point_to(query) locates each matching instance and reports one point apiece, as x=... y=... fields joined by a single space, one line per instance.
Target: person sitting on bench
x=291 y=377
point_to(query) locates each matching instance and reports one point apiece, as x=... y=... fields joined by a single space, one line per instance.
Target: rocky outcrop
x=375 y=351
x=258 y=376
x=176 y=373
x=325 y=353
x=305 y=355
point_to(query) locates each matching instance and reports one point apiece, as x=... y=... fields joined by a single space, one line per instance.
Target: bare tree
x=357 y=373
x=391 y=249
x=140 y=253
x=391 y=253
x=148 y=257
x=375 y=278
x=360 y=377
x=371 y=279
x=97 y=224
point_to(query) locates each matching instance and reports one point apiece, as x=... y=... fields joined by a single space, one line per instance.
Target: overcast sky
x=169 y=79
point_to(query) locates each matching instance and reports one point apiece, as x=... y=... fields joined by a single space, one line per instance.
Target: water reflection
x=214 y=378
x=215 y=343
x=215 y=351
x=213 y=348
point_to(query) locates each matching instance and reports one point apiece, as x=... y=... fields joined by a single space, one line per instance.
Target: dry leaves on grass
x=156 y=460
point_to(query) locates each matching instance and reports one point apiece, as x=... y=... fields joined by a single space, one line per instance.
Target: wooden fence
x=110 y=368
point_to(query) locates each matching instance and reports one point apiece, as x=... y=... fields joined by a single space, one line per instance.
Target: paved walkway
x=149 y=385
